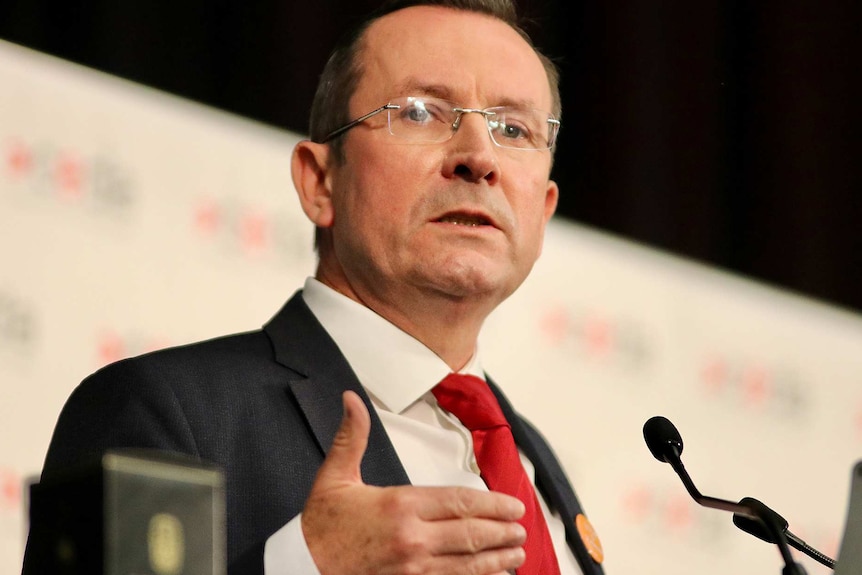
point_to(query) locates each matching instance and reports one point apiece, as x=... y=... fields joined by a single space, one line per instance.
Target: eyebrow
x=413 y=86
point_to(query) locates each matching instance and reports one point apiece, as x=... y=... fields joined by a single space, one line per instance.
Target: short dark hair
x=330 y=107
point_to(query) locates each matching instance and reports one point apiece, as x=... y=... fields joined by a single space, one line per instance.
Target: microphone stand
x=757 y=529
x=767 y=517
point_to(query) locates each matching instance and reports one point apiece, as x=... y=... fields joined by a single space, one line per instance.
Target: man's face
x=458 y=219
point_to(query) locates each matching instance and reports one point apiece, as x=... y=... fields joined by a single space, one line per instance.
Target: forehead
x=471 y=58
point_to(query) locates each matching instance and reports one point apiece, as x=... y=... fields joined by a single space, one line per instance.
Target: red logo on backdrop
x=594 y=336
x=554 y=325
x=755 y=385
x=64 y=174
x=254 y=233
x=251 y=231
x=678 y=511
x=671 y=512
x=599 y=335
x=19 y=159
x=10 y=490
x=69 y=176
x=638 y=503
x=714 y=375
x=207 y=218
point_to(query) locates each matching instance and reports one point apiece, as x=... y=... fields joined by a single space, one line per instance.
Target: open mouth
x=465 y=220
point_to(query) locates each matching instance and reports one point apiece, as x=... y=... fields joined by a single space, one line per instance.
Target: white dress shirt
x=433 y=446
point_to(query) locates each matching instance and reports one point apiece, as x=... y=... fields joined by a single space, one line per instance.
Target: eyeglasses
x=432 y=120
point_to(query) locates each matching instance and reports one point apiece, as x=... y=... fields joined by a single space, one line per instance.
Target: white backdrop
x=132 y=220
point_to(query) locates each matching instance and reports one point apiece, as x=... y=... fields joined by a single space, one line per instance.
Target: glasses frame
x=487 y=112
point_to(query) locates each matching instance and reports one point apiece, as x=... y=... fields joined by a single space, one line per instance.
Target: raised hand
x=356 y=529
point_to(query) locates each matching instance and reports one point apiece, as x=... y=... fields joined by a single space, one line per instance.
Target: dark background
x=725 y=131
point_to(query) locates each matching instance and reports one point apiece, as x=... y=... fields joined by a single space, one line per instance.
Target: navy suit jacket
x=264 y=406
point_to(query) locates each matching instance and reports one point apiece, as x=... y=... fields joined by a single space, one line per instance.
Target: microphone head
x=663 y=439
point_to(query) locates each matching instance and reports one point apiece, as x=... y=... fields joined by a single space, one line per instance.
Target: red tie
x=471 y=400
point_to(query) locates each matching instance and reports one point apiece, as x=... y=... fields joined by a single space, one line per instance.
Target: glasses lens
x=431 y=120
x=522 y=129
x=421 y=119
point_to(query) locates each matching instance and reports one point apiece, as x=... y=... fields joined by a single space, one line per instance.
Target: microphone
x=665 y=443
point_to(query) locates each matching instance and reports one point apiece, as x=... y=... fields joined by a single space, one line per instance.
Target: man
x=427 y=178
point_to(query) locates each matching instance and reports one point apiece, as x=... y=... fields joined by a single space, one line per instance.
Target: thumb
x=345 y=455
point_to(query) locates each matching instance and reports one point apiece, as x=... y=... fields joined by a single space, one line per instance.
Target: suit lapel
x=550 y=479
x=320 y=375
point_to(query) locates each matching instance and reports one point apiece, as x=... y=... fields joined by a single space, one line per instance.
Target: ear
x=309 y=168
x=552 y=194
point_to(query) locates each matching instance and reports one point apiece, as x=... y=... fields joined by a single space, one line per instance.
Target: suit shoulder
x=209 y=360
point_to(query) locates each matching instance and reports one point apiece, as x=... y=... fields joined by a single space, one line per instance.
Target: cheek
x=387 y=188
x=530 y=208
x=371 y=219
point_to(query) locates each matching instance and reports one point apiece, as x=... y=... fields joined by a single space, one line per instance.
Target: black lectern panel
x=850 y=554
x=130 y=513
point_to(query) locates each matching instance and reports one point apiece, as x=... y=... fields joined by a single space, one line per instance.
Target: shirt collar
x=391 y=364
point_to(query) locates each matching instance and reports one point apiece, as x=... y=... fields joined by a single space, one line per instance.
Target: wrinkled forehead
x=470 y=58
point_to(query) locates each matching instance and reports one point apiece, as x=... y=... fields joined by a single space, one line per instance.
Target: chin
x=472 y=275
x=465 y=284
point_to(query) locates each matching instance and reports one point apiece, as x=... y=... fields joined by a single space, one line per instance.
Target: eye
x=416 y=113
x=513 y=131
x=510 y=128
x=425 y=111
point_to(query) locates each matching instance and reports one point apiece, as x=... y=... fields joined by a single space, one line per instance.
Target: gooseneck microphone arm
x=665 y=443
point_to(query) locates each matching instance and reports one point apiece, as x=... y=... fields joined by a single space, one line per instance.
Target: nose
x=472 y=155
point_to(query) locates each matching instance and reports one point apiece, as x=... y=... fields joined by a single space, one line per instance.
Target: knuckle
x=473 y=537
x=406 y=541
x=398 y=503
x=465 y=501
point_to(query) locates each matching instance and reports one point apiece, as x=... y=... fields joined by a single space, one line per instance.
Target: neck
x=449 y=326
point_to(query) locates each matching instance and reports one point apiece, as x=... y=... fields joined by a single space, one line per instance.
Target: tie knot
x=470 y=400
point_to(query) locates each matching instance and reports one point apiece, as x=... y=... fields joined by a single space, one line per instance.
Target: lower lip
x=466 y=227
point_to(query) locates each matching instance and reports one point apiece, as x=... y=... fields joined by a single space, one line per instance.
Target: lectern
x=850 y=553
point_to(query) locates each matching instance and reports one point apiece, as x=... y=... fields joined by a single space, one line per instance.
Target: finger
x=452 y=502
x=494 y=562
x=345 y=455
x=471 y=536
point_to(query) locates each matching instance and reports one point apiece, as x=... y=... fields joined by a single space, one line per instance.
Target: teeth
x=463 y=221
